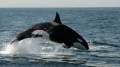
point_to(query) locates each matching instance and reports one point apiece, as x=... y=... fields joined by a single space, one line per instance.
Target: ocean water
x=99 y=26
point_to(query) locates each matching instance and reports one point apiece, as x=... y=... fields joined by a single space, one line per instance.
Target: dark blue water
x=99 y=26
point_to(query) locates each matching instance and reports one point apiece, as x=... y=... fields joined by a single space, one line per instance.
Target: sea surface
x=100 y=27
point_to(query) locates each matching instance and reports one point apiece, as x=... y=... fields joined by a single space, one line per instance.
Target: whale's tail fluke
x=15 y=40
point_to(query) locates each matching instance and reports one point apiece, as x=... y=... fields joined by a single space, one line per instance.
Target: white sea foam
x=35 y=46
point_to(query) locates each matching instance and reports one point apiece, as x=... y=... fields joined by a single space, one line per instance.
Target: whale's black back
x=52 y=30
x=27 y=33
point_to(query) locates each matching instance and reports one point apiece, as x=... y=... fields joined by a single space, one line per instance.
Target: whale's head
x=81 y=44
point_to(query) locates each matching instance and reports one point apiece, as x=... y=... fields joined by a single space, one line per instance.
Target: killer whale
x=56 y=31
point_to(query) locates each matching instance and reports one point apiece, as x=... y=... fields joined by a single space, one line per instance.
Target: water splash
x=35 y=46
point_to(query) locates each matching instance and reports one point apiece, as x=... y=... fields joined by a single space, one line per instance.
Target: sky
x=58 y=3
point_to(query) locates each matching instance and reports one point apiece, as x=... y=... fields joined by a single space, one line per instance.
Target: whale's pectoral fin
x=68 y=44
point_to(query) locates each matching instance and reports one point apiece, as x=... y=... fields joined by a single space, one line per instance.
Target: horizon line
x=59 y=7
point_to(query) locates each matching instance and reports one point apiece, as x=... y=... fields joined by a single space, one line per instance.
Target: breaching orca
x=57 y=32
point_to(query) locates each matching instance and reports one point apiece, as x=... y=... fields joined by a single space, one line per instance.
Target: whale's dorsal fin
x=57 y=19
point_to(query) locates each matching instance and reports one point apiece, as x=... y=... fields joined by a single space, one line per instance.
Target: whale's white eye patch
x=79 y=45
x=79 y=40
x=40 y=33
